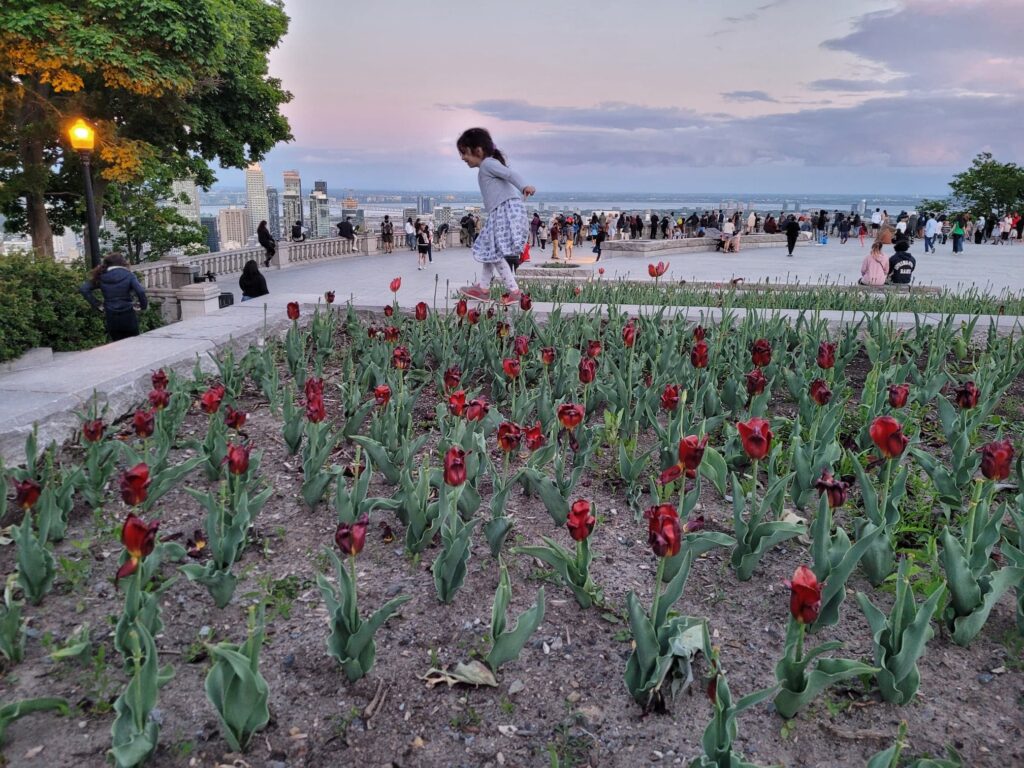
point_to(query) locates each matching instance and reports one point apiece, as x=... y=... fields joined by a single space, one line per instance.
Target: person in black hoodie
x=901 y=263
x=252 y=282
x=117 y=283
x=792 y=230
x=267 y=241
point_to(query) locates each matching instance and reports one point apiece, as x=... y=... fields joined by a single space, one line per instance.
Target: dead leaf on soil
x=507 y=730
x=33 y=752
x=472 y=673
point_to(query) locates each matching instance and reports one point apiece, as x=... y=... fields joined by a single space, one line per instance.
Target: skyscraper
x=190 y=208
x=274 y=212
x=319 y=215
x=234 y=226
x=292 y=183
x=209 y=223
x=320 y=186
x=424 y=205
x=292 y=206
x=256 y=195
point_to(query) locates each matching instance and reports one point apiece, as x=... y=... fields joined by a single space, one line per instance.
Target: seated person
x=734 y=243
x=252 y=283
x=901 y=263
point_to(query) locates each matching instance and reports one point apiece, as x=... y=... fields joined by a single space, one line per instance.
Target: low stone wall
x=655 y=248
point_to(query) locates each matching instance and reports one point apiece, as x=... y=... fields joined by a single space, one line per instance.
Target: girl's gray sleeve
x=140 y=292
x=495 y=168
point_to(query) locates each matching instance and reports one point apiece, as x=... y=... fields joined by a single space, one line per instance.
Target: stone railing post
x=198 y=299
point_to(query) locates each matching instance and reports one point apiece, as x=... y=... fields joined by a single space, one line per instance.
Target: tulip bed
x=471 y=538
x=746 y=295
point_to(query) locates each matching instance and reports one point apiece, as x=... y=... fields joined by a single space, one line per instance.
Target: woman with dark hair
x=118 y=284
x=252 y=283
x=267 y=241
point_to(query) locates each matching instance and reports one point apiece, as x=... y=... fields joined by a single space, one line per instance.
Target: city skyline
x=771 y=96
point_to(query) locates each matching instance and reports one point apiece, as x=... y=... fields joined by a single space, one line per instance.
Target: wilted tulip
x=329 y=297
x=509 y=436
x=819 y=392
x=92 y=431
x=571 y=415
x=210 y=400
x=382 y=394
x=996 y=459
x=628 y=335
x=237 y=459
x=756 y=436
x=657 y=270
x=670 y=397
x=581 y=521
x=159 y=379
x=455 y=466
x=699 y=355
x=143 y=423
x=421 y=311
x=699 y=333
x=593 y=348
x=663 y=531
x=521 y=346
x=691 y=453
x=887 y=434
x=534 y=437
x=511 y=366
x=159 y=398
x=834 y=489
x=898 y=394
x=473 y=316
x=804 y=595
x=452 y=377
x=756 y=382
x=477 y=409
x=761 y=353
x=967 y=395
x=26 y=494
x=400 y=358
x=351 y=537
x=389 y=311
x=525 y=302
x=392 y=334
x=135 y=484
x=461 y=307
x=547 y=355
x=456 y=403
x=588 y=370
x=293 y=310
x=826 y=355
x=315 y=409
x=234 y=419
x=139 y=540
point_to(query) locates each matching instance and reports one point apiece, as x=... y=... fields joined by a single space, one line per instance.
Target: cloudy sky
x=656 y=95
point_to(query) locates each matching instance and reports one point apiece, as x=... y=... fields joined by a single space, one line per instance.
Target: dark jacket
x=117 y=285
x=345 y=230
x=792 y=229
x=901 y=267
x=253 y=285
x=266 y=240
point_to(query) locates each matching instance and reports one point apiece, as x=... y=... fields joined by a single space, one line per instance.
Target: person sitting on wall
x=297 y=234
x=345 y=229
x=252 y=283
x=267 y=241
x=901 y=263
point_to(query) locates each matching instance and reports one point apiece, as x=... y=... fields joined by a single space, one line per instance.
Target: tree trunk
x=38 y=220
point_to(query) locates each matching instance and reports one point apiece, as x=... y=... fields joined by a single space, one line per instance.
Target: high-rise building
x=319 y=215
x=273 y=212
x=256 y=195
x=292 y=183
x=292 y=212
x=234 y=226
x=443 y=215
x=349 y=203
x=320 y=186
x=209 y=223
x=424 y=205
x=185 y=199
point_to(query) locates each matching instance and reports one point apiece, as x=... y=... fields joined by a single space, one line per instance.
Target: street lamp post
x=83 y=139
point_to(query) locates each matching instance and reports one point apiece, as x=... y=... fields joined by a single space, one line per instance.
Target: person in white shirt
x=876 y=219
x=931 y=228
x=410 y=235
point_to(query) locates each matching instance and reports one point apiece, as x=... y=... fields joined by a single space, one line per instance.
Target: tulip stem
x=971 y=514
x=753 y=488
x=657 y=592
x=800 y=641
x=354 y=608
x=886 y=478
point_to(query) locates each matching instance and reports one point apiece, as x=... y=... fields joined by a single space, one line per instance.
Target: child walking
x=506 y=230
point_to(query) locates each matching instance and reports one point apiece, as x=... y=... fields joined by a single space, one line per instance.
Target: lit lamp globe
x=82 y=135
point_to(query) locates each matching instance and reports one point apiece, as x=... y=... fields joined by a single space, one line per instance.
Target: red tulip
x=761 y=352
x=144 y=423
x=525 y=302
x=756 y=436
x=315 y=410
x=400 y=359
x=819 y=392
x=455 y=466
x=135 y=485
x=593 y=348
x=351 y=537
x=293 y=310
x=521 y=345
x=580 y=522
x=477 y=409
x=547 y=355
x=382 y=394
x=699 y=355
x=996 y=458
x=657 y=270
x=967 y=395
x=571 y=415
x=329 y=297
x=826 y=355
x=804 y=595
x=663 y=531
x=26 y=493
x=389 y=311
x=461 y=307
x=670 y=397
x=421 y=311
x=600 y=270
x=235 y=419
x=534 y=437
x=396 y=284
x=391 y=334
x=756 y=382
x=314 y=387
x=210 y=400
x=509 y=436
x=887 y=434
x=457 y=403
x=511 y=366
x=473 y=316
x=237 y=459
x=628 y=335
x=699 y=333
x=691 y=453
x=159 y=379
x=452 y=377
x=139 y=540
x=159 y=398
x=898 y=394
x=588 y=370
x=502 y=330
x=92 y=431
x=834 y=489
x=577 y=290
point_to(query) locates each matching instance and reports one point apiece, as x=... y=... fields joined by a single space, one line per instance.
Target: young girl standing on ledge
x=506 y=230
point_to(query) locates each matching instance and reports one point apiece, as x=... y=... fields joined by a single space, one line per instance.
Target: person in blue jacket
x=118 y=284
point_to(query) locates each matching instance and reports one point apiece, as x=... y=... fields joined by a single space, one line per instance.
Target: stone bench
x=662 y=248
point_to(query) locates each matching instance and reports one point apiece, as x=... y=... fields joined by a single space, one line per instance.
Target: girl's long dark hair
x=479 y=138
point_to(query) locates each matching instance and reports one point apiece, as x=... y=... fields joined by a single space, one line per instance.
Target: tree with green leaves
x=989 y=186
x=180 y=83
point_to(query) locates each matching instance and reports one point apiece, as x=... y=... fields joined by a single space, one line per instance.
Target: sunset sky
x=656 y=95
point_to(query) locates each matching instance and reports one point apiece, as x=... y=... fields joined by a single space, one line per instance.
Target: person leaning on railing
x=118 y=284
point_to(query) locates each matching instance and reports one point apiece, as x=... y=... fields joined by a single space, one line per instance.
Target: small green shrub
x=40 y=307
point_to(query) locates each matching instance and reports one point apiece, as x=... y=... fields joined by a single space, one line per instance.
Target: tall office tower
x=209 y=223
x=256 y=195
x=273 y=212
x=189 y=209
x=292 y=183
x=442 y=215
x=320 y=186
x=319 y=215
x=291 y=205
x=424 y=205
x=234 y=226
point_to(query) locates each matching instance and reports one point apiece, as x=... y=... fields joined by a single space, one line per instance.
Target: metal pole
x=90 y=212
